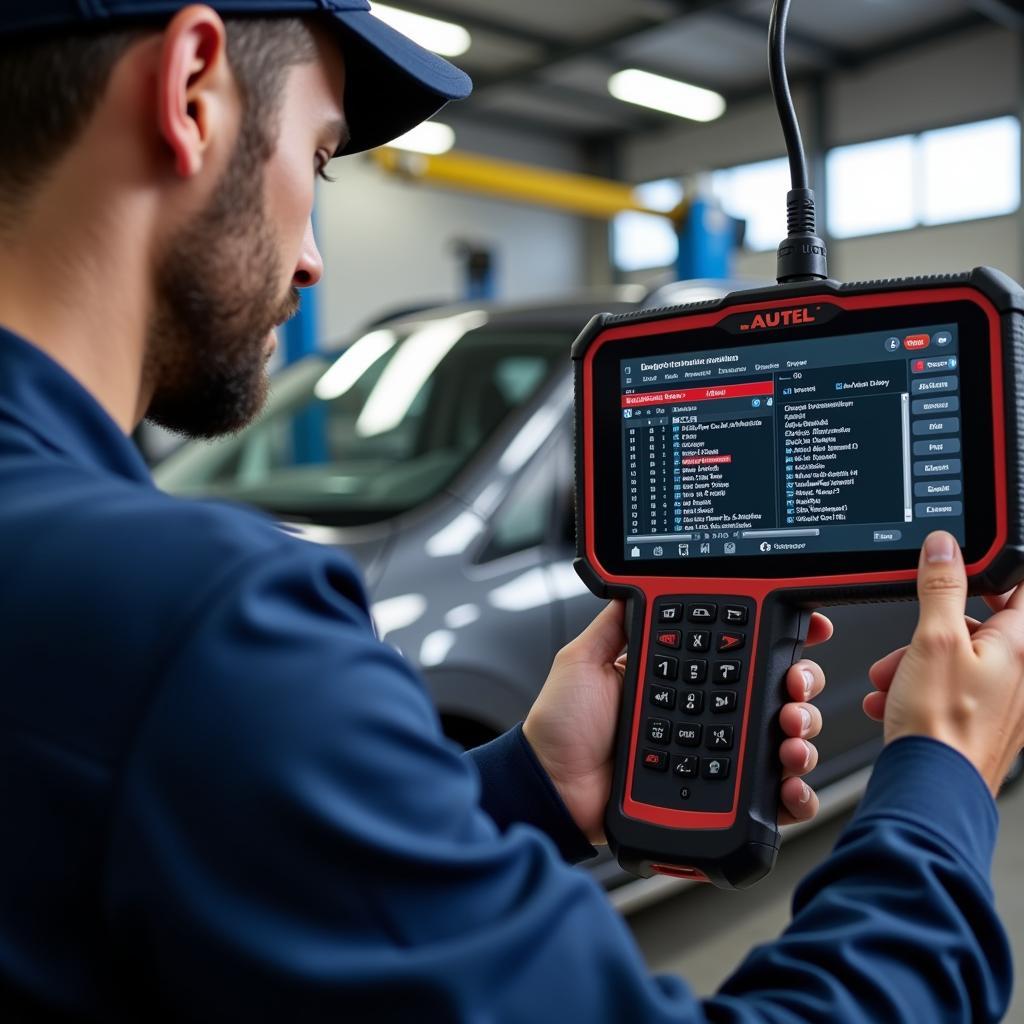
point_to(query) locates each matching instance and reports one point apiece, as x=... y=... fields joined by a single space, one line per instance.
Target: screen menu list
x=840 y=444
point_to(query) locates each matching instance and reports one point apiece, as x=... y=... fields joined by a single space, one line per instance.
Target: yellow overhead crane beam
x=583 y=194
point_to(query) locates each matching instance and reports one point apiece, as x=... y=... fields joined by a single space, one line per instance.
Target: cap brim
x=391 y=83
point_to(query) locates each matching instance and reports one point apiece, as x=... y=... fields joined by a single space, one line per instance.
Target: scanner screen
x=841 y=444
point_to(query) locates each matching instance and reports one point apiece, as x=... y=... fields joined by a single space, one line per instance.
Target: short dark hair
x=50 y=86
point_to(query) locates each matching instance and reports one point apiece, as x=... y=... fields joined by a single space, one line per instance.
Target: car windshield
x=383 y=428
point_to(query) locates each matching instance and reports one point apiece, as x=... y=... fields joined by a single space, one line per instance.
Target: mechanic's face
x=232 y=274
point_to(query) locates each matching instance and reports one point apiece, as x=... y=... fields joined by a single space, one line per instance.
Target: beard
x=216 y=303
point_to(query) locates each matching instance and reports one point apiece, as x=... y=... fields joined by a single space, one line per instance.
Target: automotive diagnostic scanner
x=742 y=461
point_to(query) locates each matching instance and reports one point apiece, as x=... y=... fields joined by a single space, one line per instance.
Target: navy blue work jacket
x=222 y=799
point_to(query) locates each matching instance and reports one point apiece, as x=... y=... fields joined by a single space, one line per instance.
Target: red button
x=670 y=638
x=916 y=341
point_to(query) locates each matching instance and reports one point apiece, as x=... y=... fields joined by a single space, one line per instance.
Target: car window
x=525 y=518
x=387 y=425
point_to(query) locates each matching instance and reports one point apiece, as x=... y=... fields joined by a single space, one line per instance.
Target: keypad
x=664 y=667
x=687 y=766
x=659 y=730
x=730 y=642
x=662 y=697
x=720 y=737
x=655 y=760
x=695 y=671
x=699 y=641
x=704 y=614
x=723 y=702
x=727 y=672
x=689 y=736
x=734 y=615
x=692 y=702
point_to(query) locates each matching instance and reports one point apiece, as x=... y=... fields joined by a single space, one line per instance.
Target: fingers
x=874 y=706
x=802 y=720
x=804 y=680
x=997 y=602
x=603 y=639
x=1016 y=599
x=798 y=757
x=884 y=670
x=799 y=802
x=1009 y=624
x=819 y=630
x=942 y=591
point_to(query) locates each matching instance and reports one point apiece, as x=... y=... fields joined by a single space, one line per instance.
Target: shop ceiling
x=543 y=65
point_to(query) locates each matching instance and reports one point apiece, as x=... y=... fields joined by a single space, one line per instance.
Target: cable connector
x=802 y=256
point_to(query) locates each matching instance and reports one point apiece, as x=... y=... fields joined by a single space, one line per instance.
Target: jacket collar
x=41 y=397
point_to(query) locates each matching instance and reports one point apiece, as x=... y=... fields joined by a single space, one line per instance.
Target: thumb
x=942 y=591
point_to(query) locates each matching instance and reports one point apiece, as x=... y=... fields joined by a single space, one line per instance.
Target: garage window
x=644 y=241
x=756 y=193
x=937 y=177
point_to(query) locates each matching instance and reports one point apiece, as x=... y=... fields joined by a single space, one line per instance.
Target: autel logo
x=779 y=318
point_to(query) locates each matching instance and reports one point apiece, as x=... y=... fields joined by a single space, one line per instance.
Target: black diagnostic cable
x=803 y=255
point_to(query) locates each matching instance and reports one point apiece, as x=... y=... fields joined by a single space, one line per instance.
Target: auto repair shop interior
x=613 y=157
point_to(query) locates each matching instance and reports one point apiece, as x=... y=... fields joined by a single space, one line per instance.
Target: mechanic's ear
x=195 y=87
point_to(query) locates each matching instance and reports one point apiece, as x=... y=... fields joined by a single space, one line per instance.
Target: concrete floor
x=721 y=926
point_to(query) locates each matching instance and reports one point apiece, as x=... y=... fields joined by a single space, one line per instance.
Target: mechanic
x=223 y=799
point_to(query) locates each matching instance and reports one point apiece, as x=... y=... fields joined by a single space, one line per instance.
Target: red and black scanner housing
x=735 y=844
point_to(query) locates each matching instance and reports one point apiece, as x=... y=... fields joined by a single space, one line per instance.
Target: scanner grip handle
x=730 y=850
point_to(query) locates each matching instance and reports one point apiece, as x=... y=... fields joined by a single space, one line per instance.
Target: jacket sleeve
x=515 y=789
x=899 y=923
x=294 y=839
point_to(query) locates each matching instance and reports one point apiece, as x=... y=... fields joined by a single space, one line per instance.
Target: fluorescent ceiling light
x=666 y=95
x=431 y=137
x=440 y=36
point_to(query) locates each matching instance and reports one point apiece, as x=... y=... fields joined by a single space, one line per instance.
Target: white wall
x=388 y=243
x=966 y=78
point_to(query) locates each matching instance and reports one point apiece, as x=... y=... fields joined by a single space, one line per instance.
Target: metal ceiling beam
x=598 y=45
x=604 y=105
x=822 y=51
x=1008 y=13
x=543 y=127
x=922 y=37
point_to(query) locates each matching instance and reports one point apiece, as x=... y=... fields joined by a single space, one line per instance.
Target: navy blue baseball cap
x=392 y=83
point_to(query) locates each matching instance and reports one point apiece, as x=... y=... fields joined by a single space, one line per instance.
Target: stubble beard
x=217 y=300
